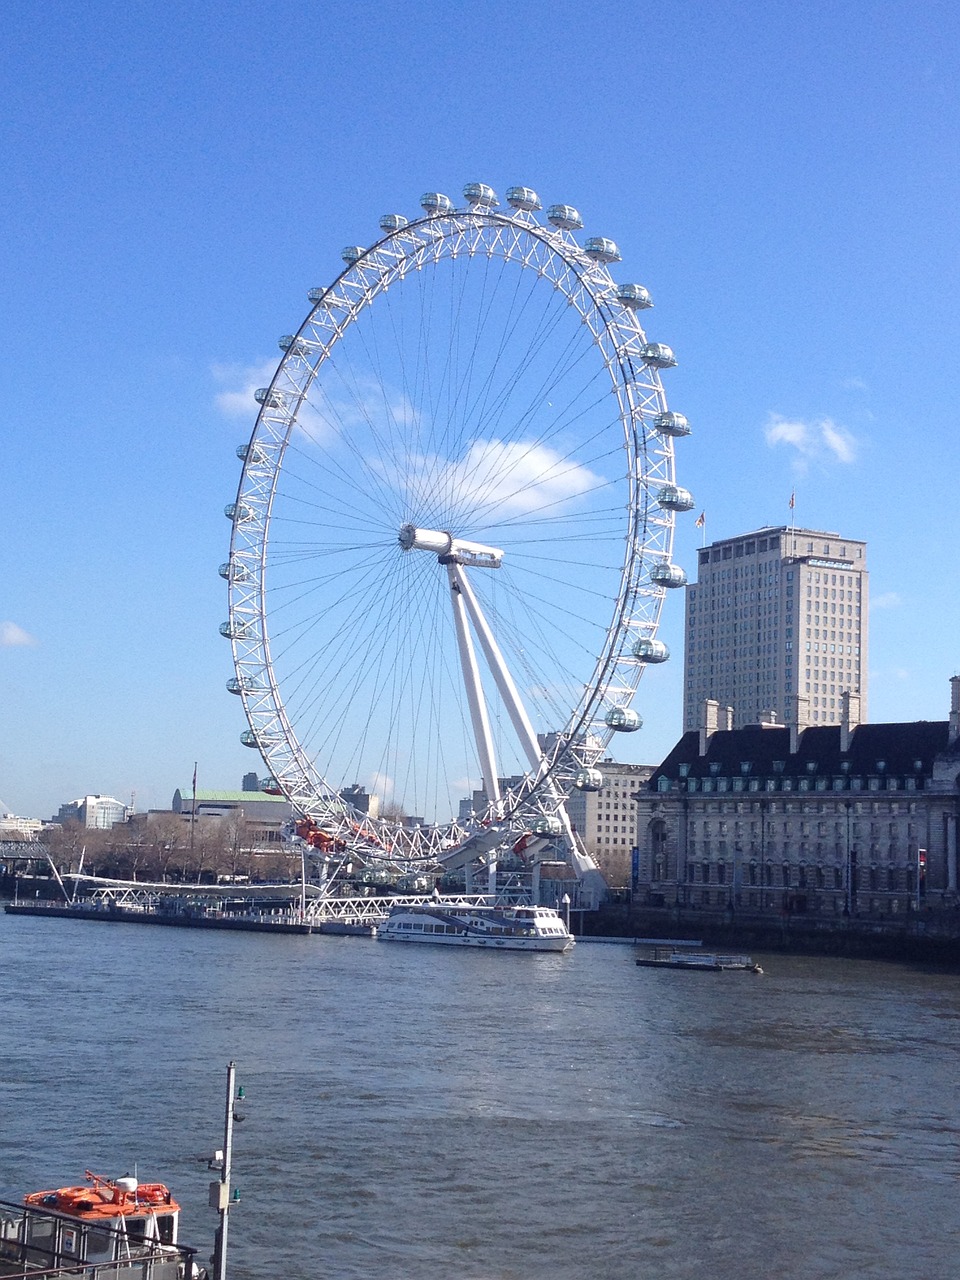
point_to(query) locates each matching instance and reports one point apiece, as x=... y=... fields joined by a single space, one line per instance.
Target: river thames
x=426 y=1113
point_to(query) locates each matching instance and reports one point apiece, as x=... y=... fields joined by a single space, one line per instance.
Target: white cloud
x=508 y=478
x=14 y=637
x=239 y=383
x=380 y=784
x=819 y=442
x=838 y=440
x=854 y=384
x=889 y=600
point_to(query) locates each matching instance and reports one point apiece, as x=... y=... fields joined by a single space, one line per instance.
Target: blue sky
x=784 y=179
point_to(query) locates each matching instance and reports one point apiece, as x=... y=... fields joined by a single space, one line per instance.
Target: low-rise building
x=826 y=820
x=96 y=812
x=605 y=820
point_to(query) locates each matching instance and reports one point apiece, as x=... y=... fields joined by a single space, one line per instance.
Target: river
x=414 y=1112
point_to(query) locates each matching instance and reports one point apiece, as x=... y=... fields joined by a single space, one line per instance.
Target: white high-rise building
x=776 y=626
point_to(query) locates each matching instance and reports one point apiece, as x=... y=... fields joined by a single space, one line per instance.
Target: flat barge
x=693 y=961
x=280 y=922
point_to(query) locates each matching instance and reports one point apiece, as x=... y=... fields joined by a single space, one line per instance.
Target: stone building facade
x=824 y=820
x=777 y=614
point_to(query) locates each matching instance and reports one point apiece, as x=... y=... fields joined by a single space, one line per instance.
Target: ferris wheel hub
x=449 y=549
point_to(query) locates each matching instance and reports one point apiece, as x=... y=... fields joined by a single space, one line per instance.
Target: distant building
x=361 y=800
x=254 y=804
x=250 y=782
x=827 y=820
x=94 y=811
x=14 y=828
x=605 y=820
x=476 y=802
x=776 y=625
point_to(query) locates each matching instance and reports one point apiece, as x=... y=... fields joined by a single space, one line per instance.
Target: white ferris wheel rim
x=586 y=286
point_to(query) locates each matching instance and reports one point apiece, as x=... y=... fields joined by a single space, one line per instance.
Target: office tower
x=776 y=628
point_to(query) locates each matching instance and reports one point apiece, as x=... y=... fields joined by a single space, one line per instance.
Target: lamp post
x=220 y=1193
x=765 y=874
x=566 y=909
x=851 y=891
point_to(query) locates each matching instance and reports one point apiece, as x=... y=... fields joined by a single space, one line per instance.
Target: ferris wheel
x=452 y=534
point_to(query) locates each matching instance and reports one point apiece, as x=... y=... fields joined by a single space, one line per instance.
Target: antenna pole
x=221 y=1190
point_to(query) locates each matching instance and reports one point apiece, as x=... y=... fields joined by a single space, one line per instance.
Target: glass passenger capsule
x=672 y=498
x=435 y=202
x=230 y=571
x=270 y=786
x=601 y=250
x=634 y=296
x=548 y=824
x=671 y=424
x=234 y=630
x=624 y=719
x=269 y=399
x=236 y=685
x=658 y=354
x=316 y=295
x=393 y=222
x=238 y=511
x=648 y=650
x=666 y=574
x=564 y=216
x=352 y=253
x=523 y=198
x=291 y=343
x=588 y=780
x=249 y=738
x=252 y=453
x=479 y=193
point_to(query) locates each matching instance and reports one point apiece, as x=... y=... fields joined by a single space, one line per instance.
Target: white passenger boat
x=496 y=928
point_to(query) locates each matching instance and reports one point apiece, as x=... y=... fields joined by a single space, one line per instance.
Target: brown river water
x=428 y=1113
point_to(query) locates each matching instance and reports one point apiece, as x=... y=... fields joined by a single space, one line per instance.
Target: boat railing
x=37 y=1244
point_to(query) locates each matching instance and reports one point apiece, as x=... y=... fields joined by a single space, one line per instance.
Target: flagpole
x=193 y=808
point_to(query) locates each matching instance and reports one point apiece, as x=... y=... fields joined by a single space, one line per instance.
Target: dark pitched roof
x=899 y=746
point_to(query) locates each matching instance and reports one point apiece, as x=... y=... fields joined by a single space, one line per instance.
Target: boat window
x=136 y=1229
x=41 y=1234
x=99 y=1245
x=165 y=1228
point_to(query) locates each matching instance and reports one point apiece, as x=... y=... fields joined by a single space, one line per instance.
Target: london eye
x=452 y=535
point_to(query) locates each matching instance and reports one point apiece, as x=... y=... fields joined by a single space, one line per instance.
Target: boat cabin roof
x=106 y=1199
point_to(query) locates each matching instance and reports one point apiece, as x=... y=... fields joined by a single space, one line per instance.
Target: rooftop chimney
x=709 y=723
x=849 y=718
x=799 y=718
x=728 y=719
x=954 y=707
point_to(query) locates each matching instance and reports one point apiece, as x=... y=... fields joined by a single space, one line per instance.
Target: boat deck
x=669 y=957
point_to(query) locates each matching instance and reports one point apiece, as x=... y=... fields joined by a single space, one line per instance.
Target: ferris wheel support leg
x=477 y=703
x=478 y=706
x=582 y=863
x=504 y=680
